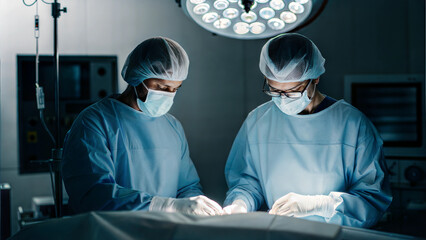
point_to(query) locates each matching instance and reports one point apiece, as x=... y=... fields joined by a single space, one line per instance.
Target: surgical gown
x=335 y=152
x=117 y=158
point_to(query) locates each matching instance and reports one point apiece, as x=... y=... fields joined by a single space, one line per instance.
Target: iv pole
x=57 y=151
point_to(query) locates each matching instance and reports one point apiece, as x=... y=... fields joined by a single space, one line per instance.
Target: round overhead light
x=210 y=17
x=288 y=17
x=277 y=4
x=241 y=28
x=301 y=1
x=222 y=23
x=266 y=13
x=201 y=8
x=231 y=13
x=296 y=7
x=221 y=4
x=257 y=28
x=197 y=1
x=249 y=17
x=266 y=18
x=276 y=24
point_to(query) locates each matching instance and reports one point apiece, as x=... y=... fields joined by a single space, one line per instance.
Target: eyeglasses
x=273 y=92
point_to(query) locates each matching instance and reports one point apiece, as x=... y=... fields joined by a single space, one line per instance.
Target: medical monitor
x=396 y=106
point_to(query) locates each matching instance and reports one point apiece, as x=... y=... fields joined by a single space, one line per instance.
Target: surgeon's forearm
x=191 y=190
x=357 y=211
x=111 y=197
x=252 y=204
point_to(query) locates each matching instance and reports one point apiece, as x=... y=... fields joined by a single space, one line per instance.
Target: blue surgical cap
x=291 y=57
x=157 y=57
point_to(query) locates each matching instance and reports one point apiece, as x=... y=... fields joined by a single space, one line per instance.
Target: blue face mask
x=291 y=106
x=157 y=103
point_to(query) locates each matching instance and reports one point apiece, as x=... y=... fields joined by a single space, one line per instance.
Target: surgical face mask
x=157 y=103
x=291 y=106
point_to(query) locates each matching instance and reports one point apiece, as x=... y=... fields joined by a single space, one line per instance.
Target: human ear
x=316 y=81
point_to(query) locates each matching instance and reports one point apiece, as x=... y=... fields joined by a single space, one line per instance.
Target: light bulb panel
x=267 y=18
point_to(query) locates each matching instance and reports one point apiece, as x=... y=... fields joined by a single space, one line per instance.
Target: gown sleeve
x=241 y=175
x=89 y=173
x=368 y=195
x=189 y=182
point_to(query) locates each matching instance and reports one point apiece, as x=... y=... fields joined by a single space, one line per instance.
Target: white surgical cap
x=291 y=57
x=157 y=57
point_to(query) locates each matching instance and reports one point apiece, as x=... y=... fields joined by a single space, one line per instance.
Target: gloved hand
x=296 y=205
x=238 y=206
x=198 y=205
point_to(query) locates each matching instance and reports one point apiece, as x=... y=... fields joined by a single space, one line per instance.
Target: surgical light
x=277 y=4
x=249 y=17
x=288 y=17
x=221 y=4
x=201 y=8
x=210 y=17
x=276 y=24
x=257 y=28
x=231 y=13
x=241 y=28
x=222 y=23
x=296 y=7
x=252 y=19
x=267 y=13
x=197 y=1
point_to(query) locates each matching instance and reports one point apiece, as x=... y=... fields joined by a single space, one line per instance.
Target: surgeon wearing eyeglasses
x=303 y=153
x=126 y=152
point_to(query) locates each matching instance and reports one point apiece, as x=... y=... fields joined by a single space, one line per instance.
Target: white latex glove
x=198 y=205
x=238 y=206
x=296 y=205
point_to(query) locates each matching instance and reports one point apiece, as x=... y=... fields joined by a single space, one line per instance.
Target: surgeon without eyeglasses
x=126 y=152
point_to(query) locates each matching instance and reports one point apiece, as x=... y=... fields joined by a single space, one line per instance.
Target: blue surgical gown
x=117 y=158
x=335 y=152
